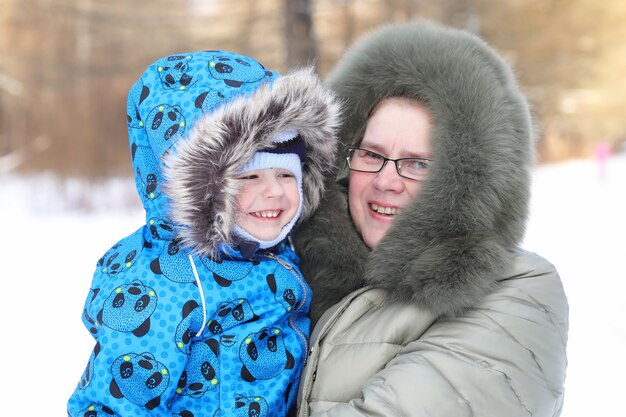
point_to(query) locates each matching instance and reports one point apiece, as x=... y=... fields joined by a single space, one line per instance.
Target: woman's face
x=396 y=128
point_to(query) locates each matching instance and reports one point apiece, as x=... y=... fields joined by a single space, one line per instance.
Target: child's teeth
x=266 y=214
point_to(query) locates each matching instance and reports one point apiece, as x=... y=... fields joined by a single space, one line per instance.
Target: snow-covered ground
x=578 y=222
x=53 y=237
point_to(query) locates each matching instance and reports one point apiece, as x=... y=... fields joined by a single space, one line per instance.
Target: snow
x=578 y=222
x=54 y=232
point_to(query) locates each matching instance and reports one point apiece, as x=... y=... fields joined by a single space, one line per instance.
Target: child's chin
x=264 y=236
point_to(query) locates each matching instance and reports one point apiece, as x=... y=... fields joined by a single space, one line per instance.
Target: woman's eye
x=419 y=165
x=370 y=155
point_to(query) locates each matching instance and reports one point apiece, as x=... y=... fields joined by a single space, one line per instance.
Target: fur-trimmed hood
x=200 y=117
x=449 y=247
x=201 y=172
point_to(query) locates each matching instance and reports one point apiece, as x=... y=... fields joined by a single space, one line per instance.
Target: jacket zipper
x=199 y=284
x=292 y=324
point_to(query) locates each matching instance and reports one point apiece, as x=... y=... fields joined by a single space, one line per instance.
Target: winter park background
x=55 y=232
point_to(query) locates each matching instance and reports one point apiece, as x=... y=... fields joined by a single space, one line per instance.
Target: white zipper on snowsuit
x=300 y=280
x=199 y=284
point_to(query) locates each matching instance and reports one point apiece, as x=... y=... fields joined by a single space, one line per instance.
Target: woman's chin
x=373 y=236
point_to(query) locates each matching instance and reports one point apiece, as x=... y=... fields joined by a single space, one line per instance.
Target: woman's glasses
x=362 y=160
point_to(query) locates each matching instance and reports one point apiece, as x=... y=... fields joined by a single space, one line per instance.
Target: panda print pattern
x=231 y=314
x=251 y=406
x=264 y=355
x=97 y=410
x=140 y=378
x=148 y=178
x=174 y=72
x=122 y=255
x=171 y=266
x=128 y=308
x=236 y=70
x=202 y=372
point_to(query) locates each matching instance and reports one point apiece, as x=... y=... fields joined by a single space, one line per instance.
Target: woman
x=429 y=308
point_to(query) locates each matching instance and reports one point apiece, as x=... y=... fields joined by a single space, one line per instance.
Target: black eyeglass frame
x=385 y=160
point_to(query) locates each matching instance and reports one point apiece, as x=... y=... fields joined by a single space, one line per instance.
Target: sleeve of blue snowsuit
x=123 y=376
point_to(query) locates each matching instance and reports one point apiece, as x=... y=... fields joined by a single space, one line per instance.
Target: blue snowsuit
x=188 y=321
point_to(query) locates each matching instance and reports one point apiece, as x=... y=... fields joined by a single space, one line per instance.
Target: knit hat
x=288 y=153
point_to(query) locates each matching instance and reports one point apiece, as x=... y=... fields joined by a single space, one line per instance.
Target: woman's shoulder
x=533 y=276
x=531 y=290
x=529 y=264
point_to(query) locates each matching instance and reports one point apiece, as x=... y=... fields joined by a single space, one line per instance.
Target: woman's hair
x=360 y=133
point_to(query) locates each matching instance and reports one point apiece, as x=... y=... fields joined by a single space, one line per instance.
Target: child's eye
x=285 y=175
x=248 y=177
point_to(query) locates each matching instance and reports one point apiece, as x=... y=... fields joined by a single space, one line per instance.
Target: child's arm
x=133 y=368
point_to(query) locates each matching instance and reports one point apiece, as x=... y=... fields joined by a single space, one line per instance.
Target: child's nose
x=273 y=188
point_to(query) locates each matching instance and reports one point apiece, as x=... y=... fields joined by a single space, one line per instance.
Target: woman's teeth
x=266 y=213
x=391 y=211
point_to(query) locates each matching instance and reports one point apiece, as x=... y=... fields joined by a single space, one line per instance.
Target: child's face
x=267 y=201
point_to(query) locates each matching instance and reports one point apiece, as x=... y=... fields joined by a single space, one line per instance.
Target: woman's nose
x=388 y=179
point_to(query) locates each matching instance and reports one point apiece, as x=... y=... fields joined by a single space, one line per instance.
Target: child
x=202 y=311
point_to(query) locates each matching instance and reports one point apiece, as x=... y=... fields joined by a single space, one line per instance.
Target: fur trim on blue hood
x=449 y=247
x=196 y=119
x=201 y=173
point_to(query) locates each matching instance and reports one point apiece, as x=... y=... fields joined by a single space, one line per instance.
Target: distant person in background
x=203 y=311
x=603 y=152
x=425 y=305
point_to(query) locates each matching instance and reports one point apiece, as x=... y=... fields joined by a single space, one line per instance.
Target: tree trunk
x=300 y=40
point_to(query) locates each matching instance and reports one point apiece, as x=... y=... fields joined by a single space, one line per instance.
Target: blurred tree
x=554 y=46
x=299 y=34
x=606 y=101
x=458 y=13
x=68 y=64
x=74 y=58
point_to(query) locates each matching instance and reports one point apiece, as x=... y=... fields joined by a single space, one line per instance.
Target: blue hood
x=168 y=99
x=194 y=120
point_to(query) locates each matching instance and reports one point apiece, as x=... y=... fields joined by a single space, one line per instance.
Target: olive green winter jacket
x=446 y=316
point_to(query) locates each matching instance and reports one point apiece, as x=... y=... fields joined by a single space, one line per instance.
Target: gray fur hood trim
x=201 y=172
x=448 y=249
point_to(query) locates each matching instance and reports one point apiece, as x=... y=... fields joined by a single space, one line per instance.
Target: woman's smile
x=387 y=211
